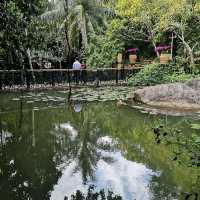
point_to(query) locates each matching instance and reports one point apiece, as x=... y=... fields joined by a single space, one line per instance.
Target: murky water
x=50 y=148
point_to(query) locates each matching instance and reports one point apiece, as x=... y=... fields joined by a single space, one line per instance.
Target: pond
x=49 y=148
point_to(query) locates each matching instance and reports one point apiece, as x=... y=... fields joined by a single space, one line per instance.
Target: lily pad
x=30 y=102
x=195 y=126
x=15 y=99
x=197 y=140
x=35 y=109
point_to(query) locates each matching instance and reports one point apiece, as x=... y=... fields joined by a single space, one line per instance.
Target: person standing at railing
x=76 y=68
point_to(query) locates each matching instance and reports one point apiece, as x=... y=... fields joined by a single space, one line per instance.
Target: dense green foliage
x=17 y=31
x=158 y=73
x=96 y=30
x=102 y=52
x=146 y=25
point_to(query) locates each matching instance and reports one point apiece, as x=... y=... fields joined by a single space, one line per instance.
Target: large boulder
x=195 y=84
x=175 y=95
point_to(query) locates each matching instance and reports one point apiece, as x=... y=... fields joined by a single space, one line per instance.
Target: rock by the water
x=184 y=96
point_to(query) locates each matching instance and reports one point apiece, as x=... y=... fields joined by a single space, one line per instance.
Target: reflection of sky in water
x=68 y=128
x=68 y=183
x=5 y=135
x=129 y=179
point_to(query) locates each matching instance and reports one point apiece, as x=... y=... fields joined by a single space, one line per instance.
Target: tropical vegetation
x=96 y=30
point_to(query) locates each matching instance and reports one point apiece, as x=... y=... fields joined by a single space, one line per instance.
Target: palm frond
x=58 y=11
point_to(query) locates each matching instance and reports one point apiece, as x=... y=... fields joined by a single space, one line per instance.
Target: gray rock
x=195 y=84
x=175 y=95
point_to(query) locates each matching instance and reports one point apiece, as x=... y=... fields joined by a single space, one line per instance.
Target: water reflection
x=49 y=152
x=77 y=107
x=129 y=179
x=97 y=161
x=79 y=138
x=26 y=170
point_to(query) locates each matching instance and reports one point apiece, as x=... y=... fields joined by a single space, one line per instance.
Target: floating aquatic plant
x=187 y=148
x=195 y=126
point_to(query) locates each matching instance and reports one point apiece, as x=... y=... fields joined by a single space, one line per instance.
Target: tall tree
x=16 y=40
x=185 y=23
x=80 y=18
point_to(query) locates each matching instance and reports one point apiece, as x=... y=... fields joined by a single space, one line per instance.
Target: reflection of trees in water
x=27 y=171
x=94 y=195
x=135 y=135
x=84 y=147
x=36 y=153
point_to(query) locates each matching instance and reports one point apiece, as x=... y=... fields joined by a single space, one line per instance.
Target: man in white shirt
x=76 y=68
x=77 y=65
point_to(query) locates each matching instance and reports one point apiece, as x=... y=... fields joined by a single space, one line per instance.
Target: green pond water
x=49 y=148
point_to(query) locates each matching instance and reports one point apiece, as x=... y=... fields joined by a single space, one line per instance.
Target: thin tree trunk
x=188 y=48
x=67 y=41
x=84 y=33
x=172 y=44
x=190 y=52
x=10 y=57
x=157 y=53
x=28 y=53
x=191 y=58
x=66 y=28
x=30 y=63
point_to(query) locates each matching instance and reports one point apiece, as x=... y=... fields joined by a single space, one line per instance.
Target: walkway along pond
x=48 y=78
x=49 y=148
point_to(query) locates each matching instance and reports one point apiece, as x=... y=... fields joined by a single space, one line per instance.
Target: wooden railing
x=53 y=77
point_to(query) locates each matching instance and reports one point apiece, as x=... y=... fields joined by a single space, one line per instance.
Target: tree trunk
x=188 y=48
x=157 y=53
x=28 y=53
x=191 y=58
x=66 y=28
x=30 y=63
x=84 y=33
x=172 y=44
x=10 y=57
x=67 y=41
x=190 y=52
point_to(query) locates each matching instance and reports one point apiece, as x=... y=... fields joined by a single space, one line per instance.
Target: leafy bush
x=196 y=69
x=102 y=52
x=183 y=62
x=187 y=147
x=157 y=74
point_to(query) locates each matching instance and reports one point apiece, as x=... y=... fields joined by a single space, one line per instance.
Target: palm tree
x=78 y=19
x=84 y=148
